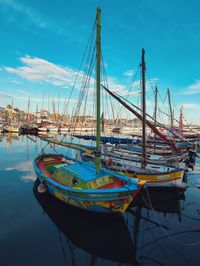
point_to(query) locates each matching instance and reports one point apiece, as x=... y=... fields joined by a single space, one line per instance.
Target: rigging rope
x=164 y=231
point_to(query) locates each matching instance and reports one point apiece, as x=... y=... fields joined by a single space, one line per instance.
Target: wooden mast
x=48 y=102
x=58 y=108
x=171 y=112
x=181 y=122
x=149 y=124
x=28 y=110
x=143 y=70
x=98 y=96
x=155 y=113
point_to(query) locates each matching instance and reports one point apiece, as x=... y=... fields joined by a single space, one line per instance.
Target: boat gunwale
x=130 y=187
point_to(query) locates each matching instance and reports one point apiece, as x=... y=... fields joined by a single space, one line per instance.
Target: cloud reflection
x=26 y=169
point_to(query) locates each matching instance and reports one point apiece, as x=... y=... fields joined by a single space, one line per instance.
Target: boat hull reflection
x=102 y=236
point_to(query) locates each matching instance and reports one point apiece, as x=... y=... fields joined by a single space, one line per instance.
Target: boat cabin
x=78 y=177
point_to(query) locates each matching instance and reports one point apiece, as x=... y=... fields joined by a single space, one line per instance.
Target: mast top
x=143 y=60
x=143 y=51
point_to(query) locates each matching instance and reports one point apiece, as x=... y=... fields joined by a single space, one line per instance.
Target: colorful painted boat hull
x=112 y=200
x=168 y=180
x=12 y=129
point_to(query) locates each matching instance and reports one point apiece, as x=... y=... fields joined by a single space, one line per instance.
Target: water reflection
x=102 y=236
x=138 y=238
x=160 y=228
x=10 y=137
x=164 y=201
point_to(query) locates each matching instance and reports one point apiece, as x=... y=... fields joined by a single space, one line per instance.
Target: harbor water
x=160 y=228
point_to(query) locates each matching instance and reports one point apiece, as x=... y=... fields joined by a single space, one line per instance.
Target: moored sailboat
x=154 y=175
x=14 y=129
x=84 y=185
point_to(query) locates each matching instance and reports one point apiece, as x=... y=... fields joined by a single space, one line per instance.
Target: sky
x=42 y=44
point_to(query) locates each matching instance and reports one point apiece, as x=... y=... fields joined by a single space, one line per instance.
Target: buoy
x=42 y=188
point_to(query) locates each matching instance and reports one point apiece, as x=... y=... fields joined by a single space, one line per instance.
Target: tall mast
x=98 y=96
x=11 y=113
x=143 y=70
x=43 y=101
x=155 y=113
x=58 y=103
x=28 y=109
x=171 y=112
x=48 y=102
x=102 y=123
x=181 y=122
x=149 y=124
x=37 y=113
x=53 y=109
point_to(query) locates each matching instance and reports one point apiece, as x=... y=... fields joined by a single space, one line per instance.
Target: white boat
x=134 y=156
x=52 y=129
x=63 y=129
x=12 y=129
x=42 y=129
x=1 y=128
x=154 y=175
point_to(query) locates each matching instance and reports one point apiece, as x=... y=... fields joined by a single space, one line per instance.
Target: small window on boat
x=75 y=181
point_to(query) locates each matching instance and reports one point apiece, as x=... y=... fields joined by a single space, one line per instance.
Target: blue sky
x=42 y=43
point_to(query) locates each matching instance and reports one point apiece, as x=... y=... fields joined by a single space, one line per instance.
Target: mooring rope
x=164 y=231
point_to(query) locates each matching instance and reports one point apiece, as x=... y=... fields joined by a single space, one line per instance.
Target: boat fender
x=42 y=188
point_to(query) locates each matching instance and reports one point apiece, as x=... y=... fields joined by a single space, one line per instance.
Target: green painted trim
x=98 y=95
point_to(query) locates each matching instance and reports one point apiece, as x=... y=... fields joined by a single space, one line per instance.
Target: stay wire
x=164 y=231
x=91 y=37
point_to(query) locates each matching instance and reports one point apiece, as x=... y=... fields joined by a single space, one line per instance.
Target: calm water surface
x=39 y=230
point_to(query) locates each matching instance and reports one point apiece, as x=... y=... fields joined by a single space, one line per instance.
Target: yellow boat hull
x=12 y=129
x=160 y=179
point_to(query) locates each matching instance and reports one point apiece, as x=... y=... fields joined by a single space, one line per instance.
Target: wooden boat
x=29 y=129
x=52 y=128
x=12 y=129
x=113 y=241
x=63 y=129
x=84 y=185
x=78 y=184
x=116 y=130
x=154 y=175
x=127 y=153
x=42 y=129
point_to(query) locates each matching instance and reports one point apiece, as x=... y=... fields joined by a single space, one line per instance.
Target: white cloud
x=23 y=92
x=26 y=10
x=31 y=15
x=193 y=88
x=15 y=82
x=129 y=73
x=5 y=94
x=191 y=106
x=24 y=97
x=37 y=69
x=40 y=70
x=121 y=89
